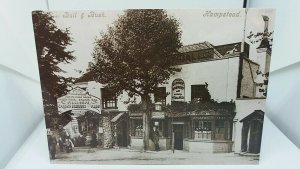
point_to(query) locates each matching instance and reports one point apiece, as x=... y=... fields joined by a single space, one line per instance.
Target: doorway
x=255 y=136
x=178 y=136
x=122 y=134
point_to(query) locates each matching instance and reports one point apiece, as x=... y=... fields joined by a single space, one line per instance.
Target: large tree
x=51 y=47
x=137 y=54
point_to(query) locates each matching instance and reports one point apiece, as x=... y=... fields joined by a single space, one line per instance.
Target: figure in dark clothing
x=155 y=138
x=52 y=146
x=94 y=140
x=61 y=145
x=68 y=145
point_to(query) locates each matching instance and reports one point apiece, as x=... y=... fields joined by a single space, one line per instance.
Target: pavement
x=132 y=157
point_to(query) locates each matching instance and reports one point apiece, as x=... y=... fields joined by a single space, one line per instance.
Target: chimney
x=90 y=64
x=264 y=48
x=266 y=19
x=264 y=44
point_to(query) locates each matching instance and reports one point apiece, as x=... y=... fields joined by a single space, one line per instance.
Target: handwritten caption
x=221 y=14
x=81 y=15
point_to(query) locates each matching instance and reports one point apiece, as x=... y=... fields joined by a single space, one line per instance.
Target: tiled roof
x=195 y=47
x=88 y=76
x=200 y=46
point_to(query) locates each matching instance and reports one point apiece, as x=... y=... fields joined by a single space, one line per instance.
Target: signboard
x=78 y=99
x=158 y=115
x=178 y=90
x=100 y=130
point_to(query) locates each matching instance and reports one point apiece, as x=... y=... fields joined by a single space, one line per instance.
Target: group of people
x=64 y=142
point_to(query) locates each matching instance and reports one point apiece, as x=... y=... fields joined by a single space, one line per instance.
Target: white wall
x=221 y=76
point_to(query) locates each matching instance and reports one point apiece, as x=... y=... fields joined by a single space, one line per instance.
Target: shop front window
x=138 y=128
x=202 y=130
x=220 y=130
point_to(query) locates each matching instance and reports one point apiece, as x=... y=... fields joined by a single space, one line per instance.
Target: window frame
x=108 y=99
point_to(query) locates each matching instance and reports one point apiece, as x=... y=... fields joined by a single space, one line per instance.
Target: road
x=131 y=157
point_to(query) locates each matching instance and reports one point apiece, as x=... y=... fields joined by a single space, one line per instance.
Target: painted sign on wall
x=78 y=99
x=178 y=90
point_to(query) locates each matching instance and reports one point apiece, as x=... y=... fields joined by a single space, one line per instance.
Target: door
x=178 y=136
x=122 y=134
x=255 y=136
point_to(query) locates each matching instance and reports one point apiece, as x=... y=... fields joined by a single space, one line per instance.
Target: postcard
x=154 y=86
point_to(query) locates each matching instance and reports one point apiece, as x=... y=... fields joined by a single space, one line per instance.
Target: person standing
x=94 y=140
x=52 y=145
x=155 y=138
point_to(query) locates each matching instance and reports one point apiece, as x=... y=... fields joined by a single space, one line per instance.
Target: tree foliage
x=137 y=53
x=265 y=40
x=51 y=47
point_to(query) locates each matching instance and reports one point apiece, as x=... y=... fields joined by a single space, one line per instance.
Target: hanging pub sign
x=178 y=90
x=78 y=99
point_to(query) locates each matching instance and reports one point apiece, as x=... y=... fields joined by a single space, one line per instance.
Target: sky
x=217 y=26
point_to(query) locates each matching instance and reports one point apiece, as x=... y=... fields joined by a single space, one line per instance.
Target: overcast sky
x=196 y=25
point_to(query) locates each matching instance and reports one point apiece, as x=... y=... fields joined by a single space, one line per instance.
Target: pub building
x=202 y=125
x=200 y=112
x=212 y=105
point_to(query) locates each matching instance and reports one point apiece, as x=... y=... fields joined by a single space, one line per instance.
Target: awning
x=116 y=118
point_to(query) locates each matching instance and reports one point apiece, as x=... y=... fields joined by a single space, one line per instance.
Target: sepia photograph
x=154 y=86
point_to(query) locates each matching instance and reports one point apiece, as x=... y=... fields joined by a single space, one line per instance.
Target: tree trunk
x=146 y=120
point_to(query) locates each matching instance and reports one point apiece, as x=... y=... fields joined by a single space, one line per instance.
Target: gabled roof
x=88 y=76
x=256 y=114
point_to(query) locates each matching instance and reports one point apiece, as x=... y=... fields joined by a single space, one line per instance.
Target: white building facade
x=211 y=77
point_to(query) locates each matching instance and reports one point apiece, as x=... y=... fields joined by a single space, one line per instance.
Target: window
x=109 y=99
x=220 y=130
x=202 y=129
x=199 y=93
x=160 y=95
x=138 y=128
